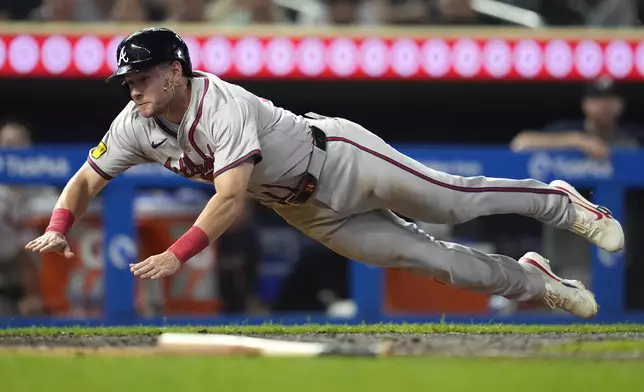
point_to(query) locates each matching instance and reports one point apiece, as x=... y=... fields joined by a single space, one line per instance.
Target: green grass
x=163 y=373
x=314 y=328
x=157 y=374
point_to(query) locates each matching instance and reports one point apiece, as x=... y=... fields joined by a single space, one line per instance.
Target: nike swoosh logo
x=595 y=210
x=155 y=145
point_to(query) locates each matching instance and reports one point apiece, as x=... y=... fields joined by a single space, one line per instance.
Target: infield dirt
x=558 y=342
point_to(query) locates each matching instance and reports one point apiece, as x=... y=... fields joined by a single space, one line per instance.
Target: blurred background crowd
x=263 y=265
x=529 y=13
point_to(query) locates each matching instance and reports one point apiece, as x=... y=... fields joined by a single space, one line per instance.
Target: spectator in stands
x=129 y=11
x=14 y=135
x=102 y=8
x=19 y=286
x=69 y=10
x=246 y=12
x=17 y=9
x=458 y=12
x=595 y=134
x=407 y=11
x=186 y=10
x=347 y=12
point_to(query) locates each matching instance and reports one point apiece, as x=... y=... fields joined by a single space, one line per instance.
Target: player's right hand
x=51 y=241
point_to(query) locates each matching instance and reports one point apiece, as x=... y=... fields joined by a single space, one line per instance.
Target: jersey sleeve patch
x=99 y=150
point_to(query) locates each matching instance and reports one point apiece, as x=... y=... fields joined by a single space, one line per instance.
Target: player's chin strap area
x=309 y=182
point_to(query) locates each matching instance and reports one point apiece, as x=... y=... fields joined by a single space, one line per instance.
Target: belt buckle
x=287 y=201
x=306 y=186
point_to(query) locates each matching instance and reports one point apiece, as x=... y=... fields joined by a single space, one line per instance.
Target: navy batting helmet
x=146 y=48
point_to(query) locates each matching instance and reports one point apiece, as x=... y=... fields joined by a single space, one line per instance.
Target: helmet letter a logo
x=123 y=57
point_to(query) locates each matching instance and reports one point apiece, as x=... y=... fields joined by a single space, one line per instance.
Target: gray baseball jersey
x=361 y=181
x=225 y=125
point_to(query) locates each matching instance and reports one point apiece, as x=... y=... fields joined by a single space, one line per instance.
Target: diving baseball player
x=329 y=177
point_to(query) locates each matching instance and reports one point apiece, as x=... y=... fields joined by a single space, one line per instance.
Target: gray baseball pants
x=364 y=179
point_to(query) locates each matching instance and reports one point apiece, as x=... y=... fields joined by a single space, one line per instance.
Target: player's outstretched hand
x=51 y=241
x=157 y=266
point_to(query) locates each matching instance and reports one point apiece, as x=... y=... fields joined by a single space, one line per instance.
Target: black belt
x=309 y=182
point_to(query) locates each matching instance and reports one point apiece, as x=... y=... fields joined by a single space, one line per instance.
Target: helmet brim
x=123 y=70
x=131 y=68
x=120 y=72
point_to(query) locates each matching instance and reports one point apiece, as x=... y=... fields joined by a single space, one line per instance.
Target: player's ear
x=176 y=71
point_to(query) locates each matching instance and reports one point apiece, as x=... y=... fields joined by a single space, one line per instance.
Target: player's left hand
x=157 y=266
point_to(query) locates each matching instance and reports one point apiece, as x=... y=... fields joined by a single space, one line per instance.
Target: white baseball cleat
x=569 y=295
x=593 y=222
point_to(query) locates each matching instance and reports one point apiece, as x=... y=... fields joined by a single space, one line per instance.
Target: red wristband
x=61 y=221
x=190 y=244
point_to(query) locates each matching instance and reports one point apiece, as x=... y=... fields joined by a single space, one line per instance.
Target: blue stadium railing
x=608 y=179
